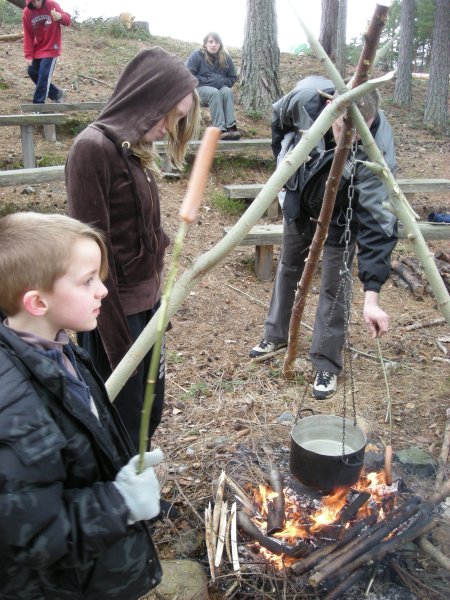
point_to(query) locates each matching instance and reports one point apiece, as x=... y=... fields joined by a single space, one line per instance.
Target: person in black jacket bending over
x=72 y=506
x=371 y=227
x=214 y=69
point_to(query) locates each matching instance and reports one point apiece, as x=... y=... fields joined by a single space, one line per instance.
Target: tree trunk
x=436 y=102
x=329 y=26
x=403 y=83
x=19 y=3
x=341 y=43
x=260 y=58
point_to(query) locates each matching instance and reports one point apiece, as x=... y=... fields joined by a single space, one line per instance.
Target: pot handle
x=303 y=410
x=352 y=465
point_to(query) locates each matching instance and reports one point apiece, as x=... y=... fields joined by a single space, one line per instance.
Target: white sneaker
x=265 y=347
x=325 y=385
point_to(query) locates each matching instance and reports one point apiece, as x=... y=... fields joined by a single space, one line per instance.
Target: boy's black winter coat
x=63 y=524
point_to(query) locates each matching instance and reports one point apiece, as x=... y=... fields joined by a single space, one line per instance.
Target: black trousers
x=130 y=399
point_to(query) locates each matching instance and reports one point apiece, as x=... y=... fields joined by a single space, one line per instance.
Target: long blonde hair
x=221 y=55
x=179 y=132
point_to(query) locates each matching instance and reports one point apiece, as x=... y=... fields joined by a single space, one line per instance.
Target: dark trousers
x=130 y=399
x=329 y=323
x=41 y=72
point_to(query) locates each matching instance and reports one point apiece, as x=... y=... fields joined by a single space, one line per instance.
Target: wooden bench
x=31 y=176
x=408 y=186
x=63 y=107
x=45 y=174
x=26 y=124
x=242 y=145
x=265 y=237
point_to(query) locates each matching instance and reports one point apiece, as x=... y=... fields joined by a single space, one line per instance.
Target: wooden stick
x=275 y=508
x=233 y=539
x=439 y=557
x=418 y=529
x=442 y=469
x=250 y=528
x=405 y=272
x=315 y=557
x=242 y=496
x=218 y=505
x=221 y=534
x=209 y=540
x=346 y=584
x=326 y=568
x=421 y=324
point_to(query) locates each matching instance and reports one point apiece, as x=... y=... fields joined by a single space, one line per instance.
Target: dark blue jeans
x=41 y=71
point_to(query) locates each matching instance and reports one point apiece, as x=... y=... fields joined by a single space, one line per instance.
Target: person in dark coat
x=214 y=68
x=372 y=228
x=72 y=506
x=111 y=181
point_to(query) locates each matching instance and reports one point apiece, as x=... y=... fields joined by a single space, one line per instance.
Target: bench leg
x=263 y=262
x=50 y=132
x=29 y=160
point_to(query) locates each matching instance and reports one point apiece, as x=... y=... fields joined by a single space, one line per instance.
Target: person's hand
x=141 y=491
x=374 y=316
x=56 y=16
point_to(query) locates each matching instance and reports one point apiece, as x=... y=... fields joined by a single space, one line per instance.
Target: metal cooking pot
x=317 y=458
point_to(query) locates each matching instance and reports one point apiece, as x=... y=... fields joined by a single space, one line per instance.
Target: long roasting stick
x=188 y=211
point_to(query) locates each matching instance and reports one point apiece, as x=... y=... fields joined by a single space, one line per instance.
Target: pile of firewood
x=408 y=273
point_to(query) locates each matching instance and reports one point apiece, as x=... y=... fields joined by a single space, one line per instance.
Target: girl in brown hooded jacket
x=110 y=180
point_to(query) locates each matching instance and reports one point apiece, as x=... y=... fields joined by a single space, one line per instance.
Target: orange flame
x=302 y=525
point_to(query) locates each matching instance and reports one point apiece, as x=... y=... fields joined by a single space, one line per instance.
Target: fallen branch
x=10 y=37
x=435 y=553
x=442 y=469
x=422 y=324
x=405 y=272
x=96 y=81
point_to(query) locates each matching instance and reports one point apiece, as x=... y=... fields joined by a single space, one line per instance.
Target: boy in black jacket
x=72 y=505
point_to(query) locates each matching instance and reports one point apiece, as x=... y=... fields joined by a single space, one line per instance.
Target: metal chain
x=347 y=279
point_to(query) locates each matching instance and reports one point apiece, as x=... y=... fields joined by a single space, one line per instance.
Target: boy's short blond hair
x=35 y=251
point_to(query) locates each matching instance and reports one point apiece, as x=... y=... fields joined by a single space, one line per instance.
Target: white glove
x=140 y=491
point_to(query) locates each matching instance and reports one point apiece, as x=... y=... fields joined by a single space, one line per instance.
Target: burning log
x=315 y=557
x=247 y=525
x=366 y=543
x=350 y=511
x=424 y=524
x=272 y=545
x=275 y=507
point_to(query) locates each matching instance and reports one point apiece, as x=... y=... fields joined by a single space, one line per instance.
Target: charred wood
x=350 y=534
x=346 y=584
x=350 y=511
x=423 y=525
x=275 y=508
x=272 y=545
x=362 y=544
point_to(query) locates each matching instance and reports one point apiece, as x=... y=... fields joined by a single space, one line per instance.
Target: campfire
x=328 y=542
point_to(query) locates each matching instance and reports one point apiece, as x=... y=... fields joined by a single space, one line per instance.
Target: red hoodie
x=42 y=35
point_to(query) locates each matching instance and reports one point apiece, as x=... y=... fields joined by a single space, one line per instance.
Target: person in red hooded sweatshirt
x=41 y=21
